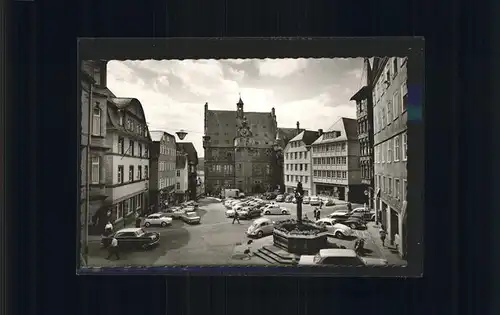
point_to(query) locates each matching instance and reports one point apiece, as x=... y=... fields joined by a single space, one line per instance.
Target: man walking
x=236 y=217
x=314 y=213
x=113 y=249
x=383 y=234
x=318 y=214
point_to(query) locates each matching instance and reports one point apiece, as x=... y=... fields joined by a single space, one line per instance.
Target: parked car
x=306 y=200
x=354 y=223
x=157 y=219
x=275 y=209
x=330 y=202
x=261 y=227
x=343 y=212
x=289 y=198
x=230 y=213
x=280 y=198
x=133 y=238
x=271 y=196
x=314 y=201
x=191 y=203
x=174 y=212
x=191 y=218
x=340 y=257
x=366 y=213
x=294 y=200
x=336 y=229
x=249 y=212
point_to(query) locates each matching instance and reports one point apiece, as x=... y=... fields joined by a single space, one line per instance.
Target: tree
x=299 y=195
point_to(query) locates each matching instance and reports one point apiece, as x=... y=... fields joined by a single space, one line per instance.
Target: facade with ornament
x=242 y=151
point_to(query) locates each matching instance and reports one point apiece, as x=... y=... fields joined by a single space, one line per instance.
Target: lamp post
x=299 y=195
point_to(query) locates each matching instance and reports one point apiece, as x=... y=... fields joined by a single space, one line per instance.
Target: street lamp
x=299 y=195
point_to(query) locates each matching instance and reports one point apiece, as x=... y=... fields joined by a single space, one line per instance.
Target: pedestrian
x=108 y=229
x=236 y=217
x=383 y=235
x=318 y=214
x=138 y=220
x=314 y=213
x=349 y=206
x=113 y=249
x=321 y=204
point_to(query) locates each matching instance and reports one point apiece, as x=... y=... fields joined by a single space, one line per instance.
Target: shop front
x=333 y=191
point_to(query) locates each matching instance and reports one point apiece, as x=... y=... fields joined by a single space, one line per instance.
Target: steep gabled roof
x=347 y=128
x=306 y=136
x=189 y=149
x=156 y=135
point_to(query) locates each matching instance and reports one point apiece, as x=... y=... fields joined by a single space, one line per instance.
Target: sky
x=173 y=93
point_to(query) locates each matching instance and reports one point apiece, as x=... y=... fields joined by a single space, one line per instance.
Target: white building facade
x=297 y=162
x=390 y=100
x=181 y=179
x=127 y=164
x=335 y=162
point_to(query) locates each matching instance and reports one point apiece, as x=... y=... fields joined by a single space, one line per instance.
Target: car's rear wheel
x=147 y=224
x=260 y=234
x=267 y=212
x=164 y=224
x=284 y=212
x=339 y=234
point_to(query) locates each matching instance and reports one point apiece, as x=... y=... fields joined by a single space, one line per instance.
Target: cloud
x=315 y=92
x=281 y=68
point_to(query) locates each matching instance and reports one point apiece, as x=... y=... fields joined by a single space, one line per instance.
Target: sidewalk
x=388 y=251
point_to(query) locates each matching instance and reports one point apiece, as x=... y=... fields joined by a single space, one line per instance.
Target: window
x=397 y=189
x=295 y=166
x=389 y=112
x=96 y=120
x=140 y=149
x=295 y=155
x=405 y=189
x=129 y=124
x=383 y=183
x=121 y=145
x=131 y=173
x=404 y=96
x=397 y=148
x=305 y=179
x=146 y=172
x=120 y=174
x=389 y=151
x=405 y=146
x=178 y=186
x=146 y=152
x=121 y=119
x=344 y=174
x=178 y=173
x=390 y=186
x=384 y=123
x=95 y=170
x=139 y=172
x=287 y=178
x=396 y=104
x=305 y=156
x=97 y=76
x=394 y=66
x=305 y=167
x=382 y=148
x=139 y=201
x=301 y=167
x=131 y=147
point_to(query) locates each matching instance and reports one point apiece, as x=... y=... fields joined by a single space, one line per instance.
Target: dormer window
x=96 y=120
x=129 y=123
x=97 y=76
x=120 y=119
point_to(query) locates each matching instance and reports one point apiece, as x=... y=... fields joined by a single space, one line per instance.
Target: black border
x=218 y=48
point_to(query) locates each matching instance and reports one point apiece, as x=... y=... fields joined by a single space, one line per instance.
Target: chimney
x=206 y=106
x=273 y=112
x=298 y=126
x=320 y=132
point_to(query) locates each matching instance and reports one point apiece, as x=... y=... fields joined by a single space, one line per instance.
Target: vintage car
x=280 y=198
x=174 y=212
x=306 y=200
x=367 y=214
x=275 y=209
x=260 y=227
x=335 y=229
x=157 y=219
x=249 y=212
x=191 y=203
x=289 y=198
x=340 y=257
x=354 y=222
x=191 y=218
x=314 y=201
x=133 y=238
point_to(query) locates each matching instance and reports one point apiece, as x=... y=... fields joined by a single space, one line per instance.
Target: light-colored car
x=365 y=213
x=174 y=212
x=306 y=200
x=230 y=213
x=336 y=229
x=189 y=209
x=340 y=257
x=338 y=213
x=157 y=219
x=275 y=209
x=191 y=218
x=260 y=227
x=330 y=202
x=314 y=201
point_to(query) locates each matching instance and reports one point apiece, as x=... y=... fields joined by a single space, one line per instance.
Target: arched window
x=96 y=121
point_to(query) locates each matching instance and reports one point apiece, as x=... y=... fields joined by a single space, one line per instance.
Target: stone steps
x=274 y=255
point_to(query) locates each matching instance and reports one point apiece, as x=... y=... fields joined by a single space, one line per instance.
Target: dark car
x=280 y=198
x=133 y=238
x=289 y=198
x=354 y=223
x=249 y=212
x=271 y=196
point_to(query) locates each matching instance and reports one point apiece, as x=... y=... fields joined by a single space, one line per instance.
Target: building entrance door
x=394 y=225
